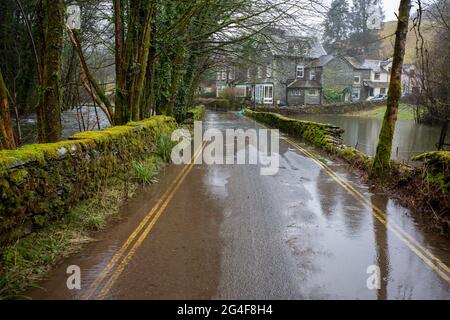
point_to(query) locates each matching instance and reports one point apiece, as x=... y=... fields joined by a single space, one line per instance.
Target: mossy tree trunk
x=120 y=73
x=381 y=163
x=49 y=109
x=7 y=140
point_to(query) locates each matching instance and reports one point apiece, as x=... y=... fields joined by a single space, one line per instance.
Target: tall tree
x=7 y=140
x=51 y=13
x=363 y=39
x=381 y=162
x=336 y=25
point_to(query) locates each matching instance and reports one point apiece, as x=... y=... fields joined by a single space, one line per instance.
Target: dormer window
x=300 y=71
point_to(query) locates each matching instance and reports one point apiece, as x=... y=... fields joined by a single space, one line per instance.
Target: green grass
x=406 y=112
x=164 y=146
x=145 y=171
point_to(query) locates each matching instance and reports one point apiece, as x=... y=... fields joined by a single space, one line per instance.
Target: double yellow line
x=431 y=260
x=108 y=276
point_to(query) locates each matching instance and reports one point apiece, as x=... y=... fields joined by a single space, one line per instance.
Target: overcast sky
x=390 y=7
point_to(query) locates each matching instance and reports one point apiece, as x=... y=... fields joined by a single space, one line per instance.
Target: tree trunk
x=7 y=140
x=143 y=59
x=119 y=113
x=49 y=113
x=381 y=162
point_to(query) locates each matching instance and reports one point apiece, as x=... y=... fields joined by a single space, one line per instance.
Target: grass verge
x=405 y=112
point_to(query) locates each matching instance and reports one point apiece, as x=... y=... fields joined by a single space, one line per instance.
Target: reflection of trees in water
x=411 y=138
x=381 y=245
x=332 y=196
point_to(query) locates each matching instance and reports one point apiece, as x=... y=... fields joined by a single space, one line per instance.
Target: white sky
x=390 y=7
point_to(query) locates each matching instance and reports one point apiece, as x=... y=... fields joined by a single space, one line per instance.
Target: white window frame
x=312 y=74
x=359 y=79
x=300 y=70
x=264 y=93
x=357 y=93
x=315 y=92
x=219 y=75
x=224 y=75
x=375 y=76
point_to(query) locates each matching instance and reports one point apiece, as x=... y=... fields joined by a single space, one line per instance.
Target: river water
x=410 y=138
x=72 y=121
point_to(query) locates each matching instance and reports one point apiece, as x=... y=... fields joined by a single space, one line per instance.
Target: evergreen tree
x=336 y=25
x=363 y=40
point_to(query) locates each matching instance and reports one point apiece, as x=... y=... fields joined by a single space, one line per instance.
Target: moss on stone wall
x=41 y=182
x=196 y=113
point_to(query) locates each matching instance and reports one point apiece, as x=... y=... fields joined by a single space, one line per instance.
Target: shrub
x=332 y=95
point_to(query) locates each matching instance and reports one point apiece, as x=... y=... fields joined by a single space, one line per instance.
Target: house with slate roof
x=295 y=70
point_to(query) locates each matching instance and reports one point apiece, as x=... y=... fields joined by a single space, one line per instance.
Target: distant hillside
x=387 y=47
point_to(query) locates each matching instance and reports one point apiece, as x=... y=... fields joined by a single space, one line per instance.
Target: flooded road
x=410 y=138
x=312 y=231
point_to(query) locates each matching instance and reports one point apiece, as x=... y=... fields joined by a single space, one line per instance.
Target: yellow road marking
x=118 y=255
x=380 y=215
x=104 y=291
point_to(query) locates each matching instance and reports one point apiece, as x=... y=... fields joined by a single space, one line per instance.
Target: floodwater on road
x=410 y=138
x=229 y=232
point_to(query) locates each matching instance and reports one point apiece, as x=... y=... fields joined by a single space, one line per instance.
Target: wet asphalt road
x=230 y=233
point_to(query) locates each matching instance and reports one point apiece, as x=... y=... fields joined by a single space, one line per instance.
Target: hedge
x=41 y=182
x=217 y=103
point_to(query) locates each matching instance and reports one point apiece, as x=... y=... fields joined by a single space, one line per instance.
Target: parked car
x=379 y=97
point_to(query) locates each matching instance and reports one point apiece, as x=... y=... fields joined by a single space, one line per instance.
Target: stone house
x=295 y=71
x=283 y=59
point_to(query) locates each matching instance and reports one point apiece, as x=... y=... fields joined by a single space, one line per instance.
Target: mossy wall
x=41 y=182
x=196 y=113
x=325 y=136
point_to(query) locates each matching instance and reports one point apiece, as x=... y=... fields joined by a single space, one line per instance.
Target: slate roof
x=305 y=84
x=279 y=45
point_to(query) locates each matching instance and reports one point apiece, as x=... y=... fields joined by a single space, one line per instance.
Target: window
x=295 y=92
x=259 y=72
x=248 y=73
x=371 y=92
x=356 y=79
x=219 y=75
x=269 y=70
x=312 y=92
x=382 y=90
x=376 y=76
x=312 y=74
x=300 y=71
x=355 y=94
x=224 y=75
